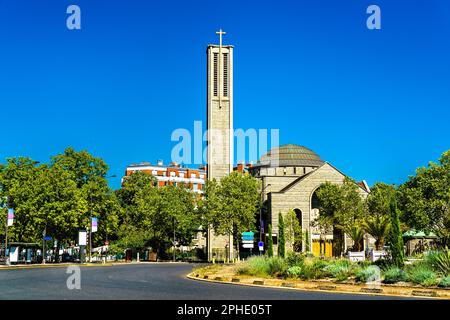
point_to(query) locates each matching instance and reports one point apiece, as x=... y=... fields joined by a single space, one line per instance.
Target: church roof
x=290 y=155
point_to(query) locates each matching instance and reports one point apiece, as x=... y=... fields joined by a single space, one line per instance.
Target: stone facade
x=220 y=132
x=291 y=185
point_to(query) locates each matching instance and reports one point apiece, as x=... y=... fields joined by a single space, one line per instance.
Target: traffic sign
x=47 y=238
x=248 y=245
x=261 y=246
x=247 y=235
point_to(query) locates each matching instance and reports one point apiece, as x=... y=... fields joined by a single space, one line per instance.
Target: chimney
x=160 y=163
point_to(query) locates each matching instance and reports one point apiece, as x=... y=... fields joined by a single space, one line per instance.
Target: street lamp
x=174 y=223
x=260 y=209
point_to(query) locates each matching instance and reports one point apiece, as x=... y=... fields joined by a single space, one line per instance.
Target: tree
x=89 y=175
x=281 y=235
x=425 y=199
x=377 y=221
x=139 y=199
x=378 y=227
x=341 y=209
x=269 y=241
x=293 y=230
x=231 y=205
x=395 y=236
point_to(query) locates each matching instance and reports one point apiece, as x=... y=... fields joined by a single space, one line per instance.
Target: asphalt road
x=154 y=281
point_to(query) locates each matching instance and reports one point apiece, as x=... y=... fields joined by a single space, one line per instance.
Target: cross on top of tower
x=220 y=33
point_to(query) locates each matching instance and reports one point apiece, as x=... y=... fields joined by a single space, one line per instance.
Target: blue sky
x=375 y=103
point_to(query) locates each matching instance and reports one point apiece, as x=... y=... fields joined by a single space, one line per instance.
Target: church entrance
x=321 y=240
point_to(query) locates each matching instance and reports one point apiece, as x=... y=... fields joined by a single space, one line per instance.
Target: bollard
x=213 y=260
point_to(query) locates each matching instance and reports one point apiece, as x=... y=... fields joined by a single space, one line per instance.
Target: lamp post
x=174 y=223
x=260 y=209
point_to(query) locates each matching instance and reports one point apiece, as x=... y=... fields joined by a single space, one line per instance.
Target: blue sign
x=247 y=235
x=260 y=244
x=47 y=238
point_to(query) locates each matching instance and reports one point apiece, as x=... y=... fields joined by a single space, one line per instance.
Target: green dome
x=291 y=155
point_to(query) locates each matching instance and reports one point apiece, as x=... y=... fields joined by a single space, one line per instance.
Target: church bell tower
x=220 y=135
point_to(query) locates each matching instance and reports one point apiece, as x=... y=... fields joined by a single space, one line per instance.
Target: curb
x=48 y=266
x=315 y=287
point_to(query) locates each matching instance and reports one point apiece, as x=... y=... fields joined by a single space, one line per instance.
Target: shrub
x=254 y=266
x=422 y=274
x=445 y=282
x=295 y=259
x=439 y=261
x=371 y=273
x=313 y=268
x=393 y=275
x=277 y=266
x=340 y=269
x=294 y=271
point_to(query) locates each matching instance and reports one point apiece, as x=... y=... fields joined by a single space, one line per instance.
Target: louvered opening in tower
x=225 y=74
x=216 y=74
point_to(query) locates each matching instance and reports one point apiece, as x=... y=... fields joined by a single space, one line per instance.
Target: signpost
x=261 y=246
x=82 y=243
x=248 y=240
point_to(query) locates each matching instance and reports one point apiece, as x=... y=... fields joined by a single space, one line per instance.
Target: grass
x=422 y=274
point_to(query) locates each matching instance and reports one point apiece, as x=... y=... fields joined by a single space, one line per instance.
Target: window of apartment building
x=193 y=175
x=154 y=172
x=195 y=186
x=172 y=174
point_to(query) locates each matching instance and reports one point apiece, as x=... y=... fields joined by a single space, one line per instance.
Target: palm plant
x=378 y=227
x=356 y=233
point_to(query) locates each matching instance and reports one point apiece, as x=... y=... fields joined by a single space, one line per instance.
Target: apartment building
x=172 y=174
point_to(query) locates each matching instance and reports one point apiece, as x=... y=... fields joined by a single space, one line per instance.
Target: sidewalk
x=54 y=265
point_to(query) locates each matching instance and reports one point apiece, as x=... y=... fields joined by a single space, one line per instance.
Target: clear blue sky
x=376 y=104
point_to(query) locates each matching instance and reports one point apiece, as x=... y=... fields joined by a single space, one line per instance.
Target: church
x=290 y=174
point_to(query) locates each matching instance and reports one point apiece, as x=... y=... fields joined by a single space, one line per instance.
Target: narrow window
x=225 y=74
x=216 y=74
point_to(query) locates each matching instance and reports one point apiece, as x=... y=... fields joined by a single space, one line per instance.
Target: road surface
x=140 y=281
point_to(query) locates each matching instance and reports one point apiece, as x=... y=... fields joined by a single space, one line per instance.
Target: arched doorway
x=321 y=241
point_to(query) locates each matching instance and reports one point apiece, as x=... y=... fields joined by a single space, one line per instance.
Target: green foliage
x=269 y=241
x=439 y=261
x=445 y=282
x=341 y=207
x=422 y=274
x=371 y=273
x=277 y=266
x=425 y=199
x=395 y=236
x=339 y=269
x=264 y=266
x=231 y=204
x=294 y=271
x=313 y=268
x=155 y=213
x=377 y=222
x=378 y=227
x=393 y=275
x=295 y=259
x=281 y=234
x=293 y=230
